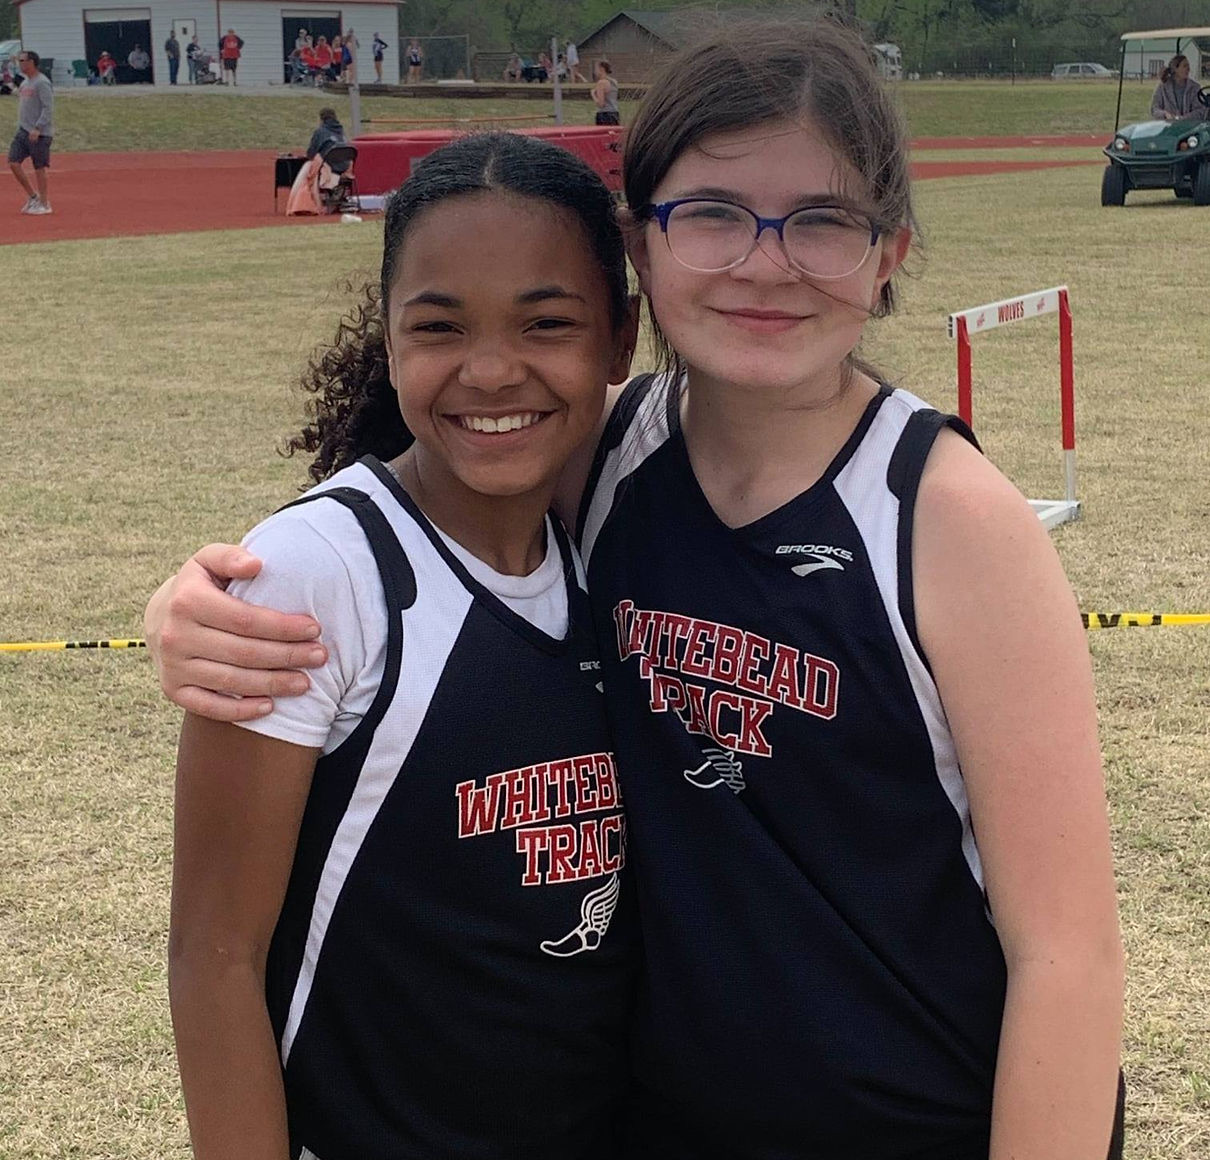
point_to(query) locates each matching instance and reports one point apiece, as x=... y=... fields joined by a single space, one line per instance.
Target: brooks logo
x=821 y=557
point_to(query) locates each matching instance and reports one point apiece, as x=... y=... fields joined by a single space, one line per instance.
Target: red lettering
x=562 y=851
x=666 y=693
x=518 y=799
x=727 y=644
x=477 y=807
x=613 y=854
x=558 y=776
x=783 y=681
x=623 y=615
x=586 y=790
x=823 y=679
x=591 y=864
x=697 y=721
x=751 y=739
x=749 y=678
x=718 y=702
x=676 y=628
x=607 y=782
x=695 y=663
x=531 y=843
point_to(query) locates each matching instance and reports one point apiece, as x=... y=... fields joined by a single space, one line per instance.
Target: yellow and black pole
x=1093 y=621
x=1098 y=620
x=56 y=645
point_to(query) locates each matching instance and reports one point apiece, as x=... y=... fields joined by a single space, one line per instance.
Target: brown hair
x=754 y=72
x=1169 y=71
x=354 y=409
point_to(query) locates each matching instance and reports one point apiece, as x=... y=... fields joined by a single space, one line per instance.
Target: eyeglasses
x=709 y=236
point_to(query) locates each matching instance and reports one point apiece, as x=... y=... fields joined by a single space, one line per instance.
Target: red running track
x=99 y=195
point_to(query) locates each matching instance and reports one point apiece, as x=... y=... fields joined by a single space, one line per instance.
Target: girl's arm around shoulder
x=1001 y=629
x=318 y=563
x=239 y=804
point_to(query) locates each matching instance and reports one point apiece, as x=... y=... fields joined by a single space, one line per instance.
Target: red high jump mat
x=384 y=160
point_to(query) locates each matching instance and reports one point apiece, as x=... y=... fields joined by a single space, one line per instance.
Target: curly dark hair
x=354 y=410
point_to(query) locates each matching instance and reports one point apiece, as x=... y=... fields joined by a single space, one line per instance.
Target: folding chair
x=285 y=170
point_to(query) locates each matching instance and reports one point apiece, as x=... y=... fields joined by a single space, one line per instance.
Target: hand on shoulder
x=218 y=656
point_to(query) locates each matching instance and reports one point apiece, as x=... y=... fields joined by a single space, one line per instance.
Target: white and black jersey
x=823 y=978
x=453 y=965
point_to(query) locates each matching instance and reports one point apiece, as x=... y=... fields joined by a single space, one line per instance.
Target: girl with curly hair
x=401 y=919
x=867 y=817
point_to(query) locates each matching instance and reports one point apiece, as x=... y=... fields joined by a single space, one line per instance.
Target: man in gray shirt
x=34 y=132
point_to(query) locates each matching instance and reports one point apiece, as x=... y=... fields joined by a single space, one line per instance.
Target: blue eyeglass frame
x=662 y=211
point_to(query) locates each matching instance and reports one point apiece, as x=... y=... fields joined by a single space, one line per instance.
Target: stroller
x=205 y=74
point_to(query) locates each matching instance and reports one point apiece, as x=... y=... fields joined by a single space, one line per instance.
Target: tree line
x=949 y=36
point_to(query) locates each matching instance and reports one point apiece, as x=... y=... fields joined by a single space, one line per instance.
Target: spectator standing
x=605 y=95
x=107 y=68
x=336 y=71
x=415 y=61
x=193 y=52
x=302 y=40
x=380 y=47
x=172 y=47
x=572 y=56
x=348 y=56
x=139 y=60
x=228 y=51
x=35 y=128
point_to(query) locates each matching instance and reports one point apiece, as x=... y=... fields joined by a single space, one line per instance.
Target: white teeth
x=503 y=423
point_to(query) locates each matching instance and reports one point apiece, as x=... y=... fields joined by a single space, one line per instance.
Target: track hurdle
x=964 y=324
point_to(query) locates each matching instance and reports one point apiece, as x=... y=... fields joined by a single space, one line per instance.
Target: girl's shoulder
x=315 y=545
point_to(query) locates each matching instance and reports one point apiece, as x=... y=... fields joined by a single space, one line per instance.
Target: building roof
x=674 y=27
x=668 y=27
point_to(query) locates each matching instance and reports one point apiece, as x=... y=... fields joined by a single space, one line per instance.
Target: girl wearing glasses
x=866 y=816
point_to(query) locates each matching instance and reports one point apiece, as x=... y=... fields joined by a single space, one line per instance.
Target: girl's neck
x=753 y=451
x=508 y=533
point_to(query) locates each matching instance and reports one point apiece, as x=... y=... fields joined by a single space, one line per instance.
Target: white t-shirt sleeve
x=317 y=561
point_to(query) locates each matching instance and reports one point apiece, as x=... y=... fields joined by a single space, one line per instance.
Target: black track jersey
x=822 y=977
x=453 y=966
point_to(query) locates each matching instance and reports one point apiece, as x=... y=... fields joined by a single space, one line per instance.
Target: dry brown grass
x=146 y=425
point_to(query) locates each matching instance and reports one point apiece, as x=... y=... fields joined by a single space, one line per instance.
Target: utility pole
x=354 y=91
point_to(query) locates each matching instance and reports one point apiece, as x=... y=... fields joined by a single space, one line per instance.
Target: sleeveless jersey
x=454 y=962
x=823 y=979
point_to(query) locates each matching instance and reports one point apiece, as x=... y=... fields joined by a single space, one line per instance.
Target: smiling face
x=500 y=343
x=762 y=324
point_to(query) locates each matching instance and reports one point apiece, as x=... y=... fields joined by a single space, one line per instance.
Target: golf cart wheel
x=1201 y=184
x=1114 y=185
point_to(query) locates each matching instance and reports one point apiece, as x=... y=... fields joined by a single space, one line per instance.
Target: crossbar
x=963 y=325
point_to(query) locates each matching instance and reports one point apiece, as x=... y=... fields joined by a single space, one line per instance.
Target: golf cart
x=1158 y=154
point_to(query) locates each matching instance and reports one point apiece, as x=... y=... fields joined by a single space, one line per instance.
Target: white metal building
x=75 y=30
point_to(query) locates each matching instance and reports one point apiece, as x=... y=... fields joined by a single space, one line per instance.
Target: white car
x=1083 y=68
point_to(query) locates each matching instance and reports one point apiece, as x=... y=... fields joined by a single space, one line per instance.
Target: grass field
x=222 y=119
x=137 y=426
